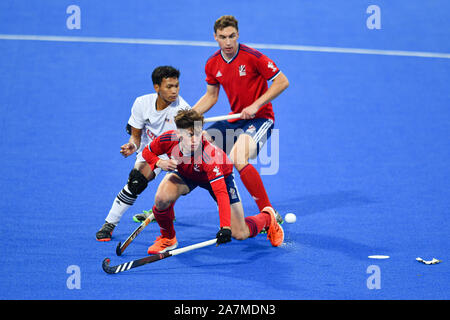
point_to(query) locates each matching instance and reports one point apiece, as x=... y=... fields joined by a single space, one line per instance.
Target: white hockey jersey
x=153 y=122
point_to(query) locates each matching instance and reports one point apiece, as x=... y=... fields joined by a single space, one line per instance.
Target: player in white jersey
x=151 y=115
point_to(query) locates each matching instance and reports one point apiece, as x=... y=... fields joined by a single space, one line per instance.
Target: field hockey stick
x=121 y=247
x=153 y=258
x=220 y=118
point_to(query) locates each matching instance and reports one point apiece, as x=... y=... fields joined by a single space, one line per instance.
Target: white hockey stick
x=220 y=118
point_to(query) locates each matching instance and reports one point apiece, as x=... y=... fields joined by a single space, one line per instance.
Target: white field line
x=419 y=54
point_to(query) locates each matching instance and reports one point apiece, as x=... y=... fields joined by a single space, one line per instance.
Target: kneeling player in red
x=196 y=162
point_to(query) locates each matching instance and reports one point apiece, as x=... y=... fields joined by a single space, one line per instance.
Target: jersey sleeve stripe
x=167 y=140
x=206 y=158
x=275 y=75
x=215 y=179
x=167 y=135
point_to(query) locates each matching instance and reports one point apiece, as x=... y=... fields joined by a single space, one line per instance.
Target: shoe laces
x=164 y=241
x=108 y=227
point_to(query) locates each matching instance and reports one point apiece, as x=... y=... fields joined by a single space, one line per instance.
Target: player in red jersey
x=243 y=72
x=193 y=161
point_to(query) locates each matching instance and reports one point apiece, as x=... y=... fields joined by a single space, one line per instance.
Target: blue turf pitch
x=363 y=157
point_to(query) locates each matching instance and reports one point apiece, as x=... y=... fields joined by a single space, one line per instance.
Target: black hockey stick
x=121 y=247
x=140 y=262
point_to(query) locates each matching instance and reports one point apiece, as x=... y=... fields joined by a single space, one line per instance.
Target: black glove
x=223 y=236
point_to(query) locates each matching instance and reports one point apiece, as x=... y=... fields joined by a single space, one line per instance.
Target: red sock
x=252 y=181
x=257 y=223
x=165 y=221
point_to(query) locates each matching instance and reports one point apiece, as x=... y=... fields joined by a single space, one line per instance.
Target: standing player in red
x=243 y=72
x=196 y=162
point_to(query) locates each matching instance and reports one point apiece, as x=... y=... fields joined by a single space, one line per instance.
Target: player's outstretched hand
x=127 y=149
x=223 y=236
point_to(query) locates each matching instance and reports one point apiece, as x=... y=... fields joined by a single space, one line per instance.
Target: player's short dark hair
x=163 y=72
x=187 y=118
x=225 y=21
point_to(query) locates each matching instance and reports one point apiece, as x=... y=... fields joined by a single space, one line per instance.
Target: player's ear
x=178 y=134
x=156 y=87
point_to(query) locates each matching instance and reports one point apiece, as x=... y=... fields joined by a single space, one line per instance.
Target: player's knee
x=239 y=235
x=240 y=160
x=137 y=182
x=162 y=202
x=239 y=166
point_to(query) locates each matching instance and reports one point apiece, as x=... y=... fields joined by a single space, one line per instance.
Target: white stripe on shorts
x=262 y=130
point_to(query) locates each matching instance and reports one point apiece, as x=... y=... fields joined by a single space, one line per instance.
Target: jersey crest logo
x=271 y=66
x=242 y=70
x=216 y=171
x=196 y=167
x=219 y=74
x=232 y=192
x=251 y=129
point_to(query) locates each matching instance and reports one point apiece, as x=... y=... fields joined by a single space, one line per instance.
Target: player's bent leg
x=169 y=190
x=249 y=227
x=239 y=229
x=137 y=182
x=167 y=240
x=245 y=148
x=145 y=169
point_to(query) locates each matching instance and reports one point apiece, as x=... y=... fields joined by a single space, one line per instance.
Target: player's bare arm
x=279 y=84
x=208 y=100
x=133 y=143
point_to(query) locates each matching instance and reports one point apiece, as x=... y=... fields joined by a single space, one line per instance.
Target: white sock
x=121 y=203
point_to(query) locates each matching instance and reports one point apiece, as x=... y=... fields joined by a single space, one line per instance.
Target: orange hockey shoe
x=275 y=233
x=162 y=245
